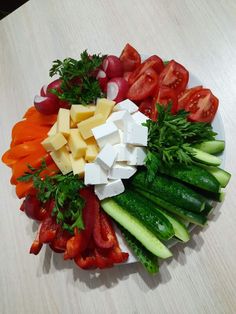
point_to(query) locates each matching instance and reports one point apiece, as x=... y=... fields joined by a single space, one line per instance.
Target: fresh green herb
x=170 y=139
x=64 y=189
x=79 y=84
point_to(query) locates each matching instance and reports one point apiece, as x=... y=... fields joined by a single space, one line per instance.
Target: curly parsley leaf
x=170 y=139
x=79 y=84
x=64 y=190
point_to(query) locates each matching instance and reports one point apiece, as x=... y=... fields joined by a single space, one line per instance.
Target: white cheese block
x=107 y=156
x=135 y=134
x=94 y=174
x=138 y=156
x=121 y=136
x=112 y=188
x=120 y=118
x=127 y=105
x=121 y=170
x=139 y=117
x=124 y=152
x=106 y=133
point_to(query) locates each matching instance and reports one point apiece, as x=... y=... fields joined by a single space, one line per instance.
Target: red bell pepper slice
x=48 y=230
x=58 y=245
x=102 y=260
x=105 y=242
x=86 y=261
x=36 y=245
x=73 y=245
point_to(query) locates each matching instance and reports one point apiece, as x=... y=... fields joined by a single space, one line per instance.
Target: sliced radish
x=46 y=105
x=43 y=91
x=117 y=89
x=53 y=85
x=112 y=66
x=102 y=79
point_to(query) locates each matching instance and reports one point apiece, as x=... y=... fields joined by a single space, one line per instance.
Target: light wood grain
x=201 y=278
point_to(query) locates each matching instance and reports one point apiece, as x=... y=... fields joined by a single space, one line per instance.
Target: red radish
x=112 y=66
x=46 y=105
x=64 y=104
x=102 y=79
x=117 y=89
x=53 y=85
x=43 y=91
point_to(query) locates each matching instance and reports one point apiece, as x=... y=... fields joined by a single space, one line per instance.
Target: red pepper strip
x=86 y=261
x=58 y=245
x=73 y=245
x=48 y=230
x=117 y=256
x=36 y=245
x=90 y=211
x=8 y=160
x=104 y=243
x=25 y=188
x=41 y=119
x=29 y=112
x=102 y=260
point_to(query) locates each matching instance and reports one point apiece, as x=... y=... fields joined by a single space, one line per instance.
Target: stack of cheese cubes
x=102 y=143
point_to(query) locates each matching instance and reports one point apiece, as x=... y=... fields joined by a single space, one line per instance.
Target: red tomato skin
x=144 y=87
x=186 y=95
x=166 y=95
x=130 y=58
x=202 y=106
x=147 y=107
x=174 y=76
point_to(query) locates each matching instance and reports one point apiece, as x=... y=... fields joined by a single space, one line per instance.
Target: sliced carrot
x=29 y=112
x=25 y=188
x=41 y=119
x=33 y=160
x=29 y=135
x=25 y=149
x=8 y=160
x=50 y=170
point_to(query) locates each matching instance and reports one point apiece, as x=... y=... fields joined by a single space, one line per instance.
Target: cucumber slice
x=206 y=158
x=136 y=228
x=197 y=219
x=180 y=230
x=221 y=175
x=211 y=147
x=146 y=258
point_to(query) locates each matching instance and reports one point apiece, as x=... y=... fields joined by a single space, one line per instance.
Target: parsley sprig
x=79 y=84
x=170 y=139
x=64 y=190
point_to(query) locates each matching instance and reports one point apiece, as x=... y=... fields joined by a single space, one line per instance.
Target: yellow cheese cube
x=92 y=150
x=104 y=106
x=85 y=127
x=73 y=124
x=77 y=165
x=61 y=158
x=79 y=113
x=63 y=121
x=53 y=129
x=76 y=144
x=54 y=142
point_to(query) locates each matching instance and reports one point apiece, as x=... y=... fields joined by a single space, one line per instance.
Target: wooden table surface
x=201 y=277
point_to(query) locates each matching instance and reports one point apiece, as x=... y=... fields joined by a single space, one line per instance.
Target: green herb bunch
x=64 y=190
x=170 y=139
x=79 y=83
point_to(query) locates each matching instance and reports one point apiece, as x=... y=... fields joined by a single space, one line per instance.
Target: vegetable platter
x=118 y=143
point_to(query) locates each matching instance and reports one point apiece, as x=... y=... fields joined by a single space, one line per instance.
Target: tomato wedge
x=167 y=95
x=202 y=106
x=130 y=58
x=144 y=86
x=184 y=97
x=174 y=76
x=148 y=108
x=153 y=62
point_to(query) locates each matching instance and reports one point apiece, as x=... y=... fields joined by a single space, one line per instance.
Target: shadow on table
x=109 y=278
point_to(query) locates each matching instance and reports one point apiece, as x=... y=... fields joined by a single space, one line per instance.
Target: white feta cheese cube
x=107 y=156
x=121 y=136
x=120 y=118
x=124 y=152
x=139 y=117
x=94 y=174
x=135 y=134
x=112 y=188
x=127 y=105
x=106 y=133
x=121 y=170
x=137 y=157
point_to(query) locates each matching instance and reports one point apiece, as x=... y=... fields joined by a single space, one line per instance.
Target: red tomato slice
x=184 y=97
x=130 y=58
x=167 y=95
x=174 y=76
x=148 y=108
x=144 y=87
x=202 y=106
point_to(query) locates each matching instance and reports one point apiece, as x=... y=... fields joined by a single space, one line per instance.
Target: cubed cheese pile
x=102 y=143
